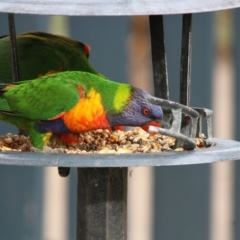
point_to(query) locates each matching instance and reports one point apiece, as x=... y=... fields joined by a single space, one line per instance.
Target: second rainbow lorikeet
x=41 y=53
x=69 y=103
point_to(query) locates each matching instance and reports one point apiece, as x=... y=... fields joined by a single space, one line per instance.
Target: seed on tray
x=8 y=140
x=104 y=141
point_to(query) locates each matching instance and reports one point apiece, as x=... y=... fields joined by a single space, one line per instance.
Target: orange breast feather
x=88 y=114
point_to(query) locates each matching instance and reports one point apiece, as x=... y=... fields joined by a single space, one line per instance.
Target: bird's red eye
x=146 y=111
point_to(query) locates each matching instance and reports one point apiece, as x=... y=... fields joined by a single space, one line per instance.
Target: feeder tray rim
x=118 y=8
x=224 y=150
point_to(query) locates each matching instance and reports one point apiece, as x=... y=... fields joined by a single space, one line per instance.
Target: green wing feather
x=43 y=98
x=39 y=53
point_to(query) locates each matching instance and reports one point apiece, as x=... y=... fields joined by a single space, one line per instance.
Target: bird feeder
x=102 y=208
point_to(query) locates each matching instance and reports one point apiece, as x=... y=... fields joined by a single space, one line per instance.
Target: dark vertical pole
x=102 y=203
x=185 y=71
x=159 y=56
x=12 y=32
x=186 y=53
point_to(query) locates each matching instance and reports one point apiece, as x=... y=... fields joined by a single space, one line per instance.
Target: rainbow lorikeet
x=41 y=53
x=72 y=102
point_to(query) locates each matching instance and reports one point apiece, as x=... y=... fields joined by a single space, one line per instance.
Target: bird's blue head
x=137 y=112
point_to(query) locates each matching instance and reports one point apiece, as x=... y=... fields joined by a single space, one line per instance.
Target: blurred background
x=199 y=202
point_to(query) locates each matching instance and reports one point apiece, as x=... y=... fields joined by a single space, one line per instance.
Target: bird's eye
x=146 y=111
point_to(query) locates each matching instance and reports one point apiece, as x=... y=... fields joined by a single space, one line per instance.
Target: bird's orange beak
x=153 y=123
x=121 y=128
x=144 y=127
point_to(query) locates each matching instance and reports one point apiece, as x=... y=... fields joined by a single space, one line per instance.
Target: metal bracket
x=178 y=115
x=207 y=114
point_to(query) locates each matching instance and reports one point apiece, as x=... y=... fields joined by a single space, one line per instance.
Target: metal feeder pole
x=102 y=203
x=12 y=33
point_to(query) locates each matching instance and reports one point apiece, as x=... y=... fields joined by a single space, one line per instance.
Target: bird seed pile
x=103 y=141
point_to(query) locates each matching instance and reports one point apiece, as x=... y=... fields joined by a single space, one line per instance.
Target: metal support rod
x=185 y=71
x=12 y=33
x=102 y=203
x=159 y=56
x=186 y=53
